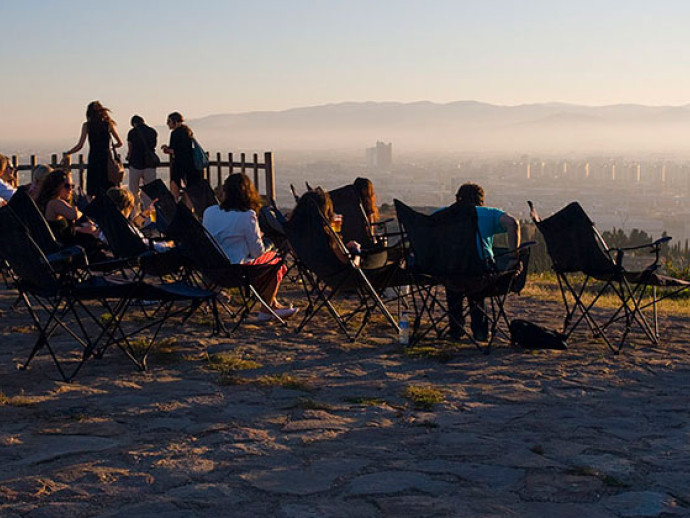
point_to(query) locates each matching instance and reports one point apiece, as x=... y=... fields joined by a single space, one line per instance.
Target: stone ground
x=320 y=427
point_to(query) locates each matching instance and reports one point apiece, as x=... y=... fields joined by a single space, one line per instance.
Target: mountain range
x=462 y=126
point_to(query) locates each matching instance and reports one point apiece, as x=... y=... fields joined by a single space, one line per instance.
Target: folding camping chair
x=328 y=277
x=584 y=264
x=357 y=227
x=127 y=243
x=165 y=203
x=208 y=258
x=88 y=308
x=443 y=251
x=201 y=196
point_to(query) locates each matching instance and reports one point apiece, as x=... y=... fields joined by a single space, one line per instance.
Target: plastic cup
x=337 y=223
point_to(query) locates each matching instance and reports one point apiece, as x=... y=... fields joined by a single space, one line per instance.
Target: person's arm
x=58 y=207
x=512 y=228
x=116 y=135
x=170 y=150
x=80 y=144
x=129 y=150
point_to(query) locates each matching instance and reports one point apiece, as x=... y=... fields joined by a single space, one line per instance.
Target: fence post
x=220 y=170
x=270 y=177
x=82 y=173
x=53 y=160
x=232 y=164
x=255 y=166
x=243 y=163
x=34 y=162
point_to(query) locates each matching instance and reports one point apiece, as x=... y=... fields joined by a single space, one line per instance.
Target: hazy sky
x=205 y=57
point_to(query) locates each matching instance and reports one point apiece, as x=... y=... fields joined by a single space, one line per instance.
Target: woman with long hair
x=181 y=149
x=367 y=195
x=66 y=221
x=98 y=128
x=235 y=226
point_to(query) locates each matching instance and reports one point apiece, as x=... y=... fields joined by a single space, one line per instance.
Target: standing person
x=99 y=126
x=490 y=221
x=180 y=148
x=141 y=151
x=6 y=188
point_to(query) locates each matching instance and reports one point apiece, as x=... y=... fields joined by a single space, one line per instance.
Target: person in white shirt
x=6 y=170
x=235 y=226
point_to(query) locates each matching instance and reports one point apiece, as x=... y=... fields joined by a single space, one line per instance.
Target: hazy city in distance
x=628 y=165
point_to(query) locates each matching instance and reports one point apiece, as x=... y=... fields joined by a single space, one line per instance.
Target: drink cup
x=152 y=216
x=337 y=223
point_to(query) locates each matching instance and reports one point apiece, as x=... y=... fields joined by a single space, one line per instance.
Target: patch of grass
x=311 y=404
x=423 y=397
x=162 y=351
x=26 y=329
x=442 y=354
x=227 y=379
x=366 y=401
x=227 y=362
x=17 y=401
x=286 y=381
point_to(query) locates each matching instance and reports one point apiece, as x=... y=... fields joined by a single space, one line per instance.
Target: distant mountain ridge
x=461 y=125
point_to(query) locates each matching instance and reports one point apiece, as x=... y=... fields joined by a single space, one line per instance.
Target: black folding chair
x=443 y=251
x=208 y=258
x=128 y=243
x=585 y=265
x=357 y=227
x=328 y=277
x=165 y=203
x=201 y=196
x=31 y=217
x=89 y=308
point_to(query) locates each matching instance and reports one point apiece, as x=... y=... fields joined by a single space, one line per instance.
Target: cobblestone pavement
x=278 y=424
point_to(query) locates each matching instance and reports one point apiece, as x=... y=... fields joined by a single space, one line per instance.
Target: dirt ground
x=273 y=423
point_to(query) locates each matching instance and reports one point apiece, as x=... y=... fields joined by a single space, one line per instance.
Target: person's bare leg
x=175 y=190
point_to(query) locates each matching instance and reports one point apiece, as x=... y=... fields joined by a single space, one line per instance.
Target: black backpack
x=529 y=335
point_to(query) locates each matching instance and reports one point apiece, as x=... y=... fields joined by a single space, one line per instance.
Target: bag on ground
x=529 y=335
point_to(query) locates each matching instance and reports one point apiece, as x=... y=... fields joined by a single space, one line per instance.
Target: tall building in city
x=380 y=157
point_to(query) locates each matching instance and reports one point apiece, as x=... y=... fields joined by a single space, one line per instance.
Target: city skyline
x=229 y=57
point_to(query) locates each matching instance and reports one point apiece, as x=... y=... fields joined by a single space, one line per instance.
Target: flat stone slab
x=386 y=482
x=52 y=447
x=642 y=504
x=311 y=479
x=496 y=477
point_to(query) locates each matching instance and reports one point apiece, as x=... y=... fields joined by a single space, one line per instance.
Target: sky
x=228 y=56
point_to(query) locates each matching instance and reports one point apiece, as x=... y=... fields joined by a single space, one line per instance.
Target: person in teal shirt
x=490 y=222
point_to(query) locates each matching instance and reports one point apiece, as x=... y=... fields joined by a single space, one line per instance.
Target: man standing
x=7 y=173
x=141 y=155
x=490 y=221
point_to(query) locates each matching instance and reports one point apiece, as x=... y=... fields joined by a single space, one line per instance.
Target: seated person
x=7 y=179
x=491 y=221
x=322 y=200
x=37 y=176
x=367 y=196
x=235 y=226
x=66 y=221
x=125 y=203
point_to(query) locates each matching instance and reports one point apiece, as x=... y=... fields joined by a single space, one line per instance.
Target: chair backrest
x=356 y=225
x=574 y=244
x=123 y=239
x=311 y=241
x=165 y=204
x=23 y=254
x=197 y=243
x=272 y=224
x=30 y=215
x=202 y=196
x=445 y=242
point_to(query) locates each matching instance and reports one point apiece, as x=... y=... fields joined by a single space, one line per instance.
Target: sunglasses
x=68 y=186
